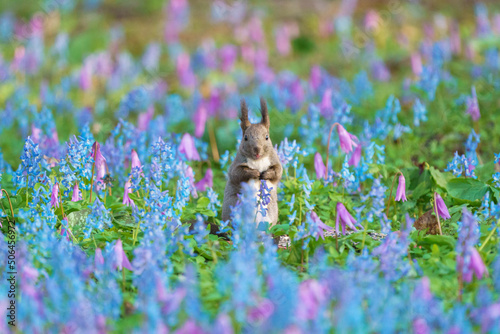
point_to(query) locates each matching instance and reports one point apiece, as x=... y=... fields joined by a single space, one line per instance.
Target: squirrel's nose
x=256 y=150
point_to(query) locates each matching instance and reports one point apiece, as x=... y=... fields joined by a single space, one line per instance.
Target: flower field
x=120 y=122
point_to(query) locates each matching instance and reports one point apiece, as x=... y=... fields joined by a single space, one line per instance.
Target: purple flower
x=320 y=226
x=206 y=181
x=380 y=72
x=355 y=157
x=261 y=312
x=441 y=207
x=134 y=160
x=319 y=166
x=315 y=77
x=100 y=161
x=86 y=76
x=345 y=217
x=144 y=118
x=223 y=324
x=228 y=54
x=476 y=266
x=187 y=148
x=121 y=259
x=36 y=134
x=127 y=190
x=200 y=119
x=190 y=327
x=473 y=105
x=372 y=20
x=400 y=193
x=311 y=295
x=416 y=63
x=283 y=40
x=77 y=196
x=326 y=107
x=54 y=197
x=346 y=139
x=64 y=229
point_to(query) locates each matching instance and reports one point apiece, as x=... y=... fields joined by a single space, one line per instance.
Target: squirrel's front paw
x=267 y=175
x=253 y=174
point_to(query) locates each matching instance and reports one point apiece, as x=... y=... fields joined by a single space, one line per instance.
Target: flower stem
x=123 y=278
x=489 y=236
x=27 y=178
x=10 y=203
x=136 y=232
x=365 y=232
x=390 y=195
x=92 y=182
x=213 y=142
x=437 y=214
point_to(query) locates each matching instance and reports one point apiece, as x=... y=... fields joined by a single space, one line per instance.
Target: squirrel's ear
x=245 y=123
x=265 y=114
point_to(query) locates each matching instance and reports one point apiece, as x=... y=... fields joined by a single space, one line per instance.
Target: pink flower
x=476 y=266
x=54 y=197
x=315 y=77
x=261 y=312
x=248 y=53
x=86 y=76
x=326 y=107
x=100 y=161
x=188 y=148
x=345 y=218
x=372 y=20
x=441 y=207
x=416 y=63
x=228 y=54
x=190 y=327
x=473 y=105
x=283 y=40
x=206 y=181
x=400 y=193
x=423 y=289
x=134 y=160
x=77 y=196
x=321 y=227
x=311 y=295
x=355 y=157
x=200 y=119
x=319 y=166
x=121 y=259
x=36 y=134
x=64 y=231
x=144 y=118
x=126 y=190
x=346 y=139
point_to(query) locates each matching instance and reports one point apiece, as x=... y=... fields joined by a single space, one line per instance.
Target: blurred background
x=100 y=60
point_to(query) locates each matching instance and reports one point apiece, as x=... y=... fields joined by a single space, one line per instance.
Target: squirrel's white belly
x=261 y=165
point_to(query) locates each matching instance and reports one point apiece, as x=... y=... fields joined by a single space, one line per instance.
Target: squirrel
x=255 y=160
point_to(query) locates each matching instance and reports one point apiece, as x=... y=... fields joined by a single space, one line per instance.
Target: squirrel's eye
x=267 y=137
x=246 y=137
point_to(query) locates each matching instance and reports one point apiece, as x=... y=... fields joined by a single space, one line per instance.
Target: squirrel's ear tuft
x=265 y=114
x=245 y=123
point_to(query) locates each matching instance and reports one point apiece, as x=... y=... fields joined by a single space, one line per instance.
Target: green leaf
x=467 y=189
x=439 y=240
x=440 y=178
x=203 y=202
